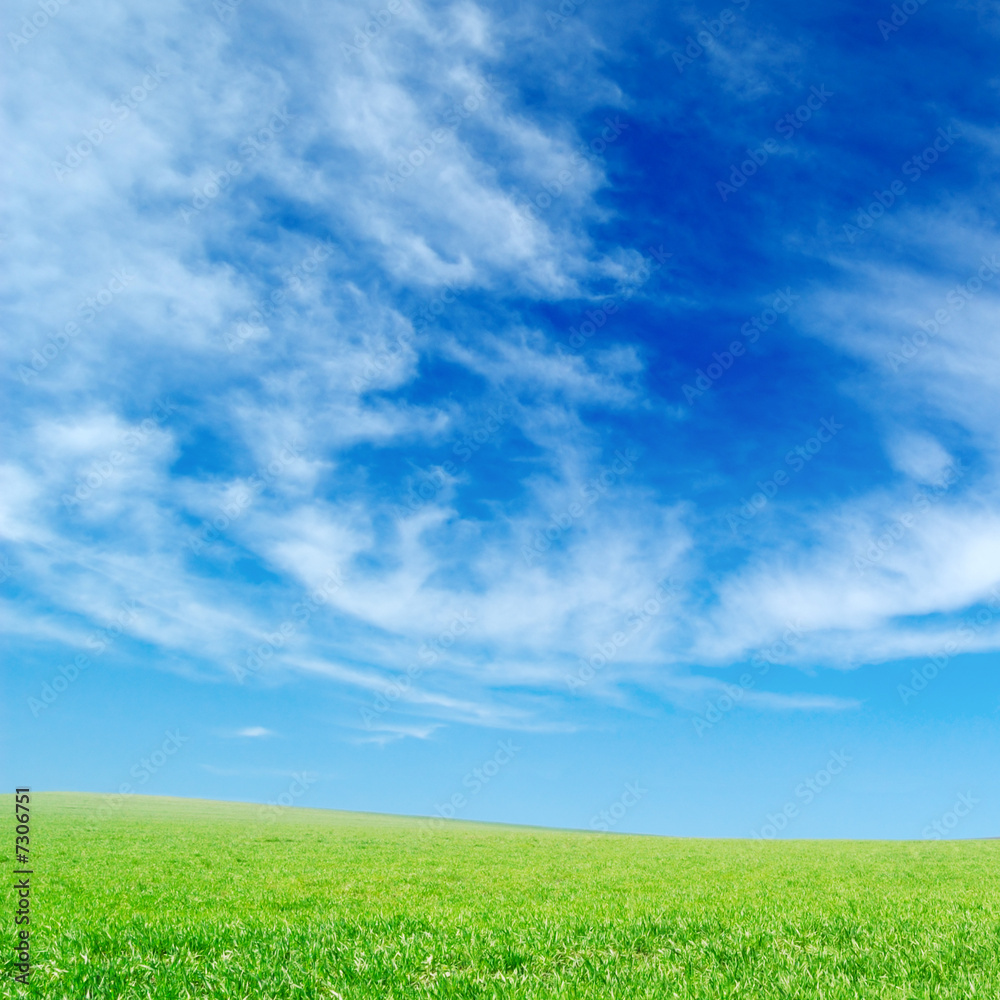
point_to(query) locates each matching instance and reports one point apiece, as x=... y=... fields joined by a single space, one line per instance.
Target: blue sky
x=581 y=416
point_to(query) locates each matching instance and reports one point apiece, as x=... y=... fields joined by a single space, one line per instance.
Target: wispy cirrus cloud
x=439 y=297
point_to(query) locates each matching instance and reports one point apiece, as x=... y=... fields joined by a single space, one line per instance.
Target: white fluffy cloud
x=252 y=243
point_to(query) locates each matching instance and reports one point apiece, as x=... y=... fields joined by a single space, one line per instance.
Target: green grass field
x=174 y=899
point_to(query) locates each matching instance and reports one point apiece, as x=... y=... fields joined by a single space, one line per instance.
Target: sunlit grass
x=172 y=898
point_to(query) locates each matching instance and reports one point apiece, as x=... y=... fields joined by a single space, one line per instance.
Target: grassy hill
x=176 y=899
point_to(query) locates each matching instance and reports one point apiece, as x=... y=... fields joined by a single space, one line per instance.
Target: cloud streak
x=327 y=266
